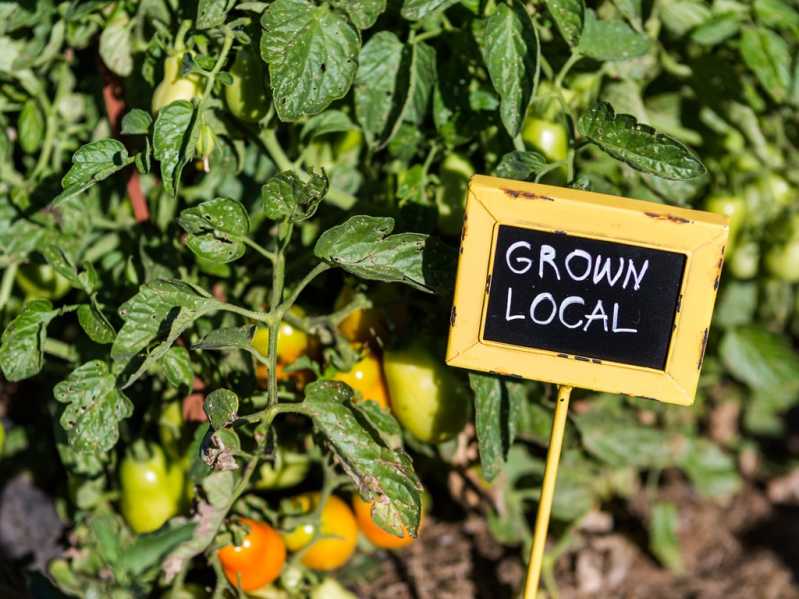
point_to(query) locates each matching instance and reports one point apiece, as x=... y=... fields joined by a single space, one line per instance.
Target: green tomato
x=777 y=189
x=551 y=139
x=151 y=489
x=42 y=281
x=246 y=97
x=782 y=261
x=330 y=588
x=744 y=260
x=454 y=175
x=289 y=470
x=205 y=141
x=173 y=87
x=734 y=208
x=426 y=397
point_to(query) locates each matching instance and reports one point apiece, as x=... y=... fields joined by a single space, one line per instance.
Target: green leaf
x=136 y=122
x=768 y=55
x=380 y=472
x=510 y=51
x=21 y=347
x=611 y=40
x=215 y=229
x=212 y=13
x=382 y=87
x=763 y=360
x=716 y=29
x=171 y=142
x=94 y=162
x=312 y=53
x=413 y=10
x=115 y=46
x=569 y=16
x=363 y=13
x=423 y=77
x=523 y=166
x=177 y=367
x=712 y=472
x=228 y=338
x=329 y=121
x=680 y=16
x=30 y=127
x=492 y=422
x=638 y=145
x=149 y=550
x=663 y=540
x=159 y=307
x=286 y=196
x=777 y=14
x=94 y=407
x=95 y=324
x=221 y=407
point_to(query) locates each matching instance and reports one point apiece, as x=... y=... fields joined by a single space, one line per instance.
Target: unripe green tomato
x=290 y=470
x=42 y=281
x=744 y=260
x=777 y=189
x=173 y=87
x=151 y=490
x=205 y=141
x=733 y=207
x=454 y=175
x=782 y=261
x=330 y=588
x=551 y=139
x=426 y=397
x=246 y=97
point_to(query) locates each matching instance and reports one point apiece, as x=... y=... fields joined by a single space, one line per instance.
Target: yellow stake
x=547 y=492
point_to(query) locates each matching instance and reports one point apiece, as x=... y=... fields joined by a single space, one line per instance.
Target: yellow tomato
x=291 y=341
x=338 y=534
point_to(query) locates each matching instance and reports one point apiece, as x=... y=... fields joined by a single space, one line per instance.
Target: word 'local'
x=581 y=267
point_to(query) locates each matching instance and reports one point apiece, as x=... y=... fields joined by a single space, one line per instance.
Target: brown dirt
x=747 y=549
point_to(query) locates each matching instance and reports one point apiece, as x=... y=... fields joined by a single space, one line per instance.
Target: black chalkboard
x=583 y=297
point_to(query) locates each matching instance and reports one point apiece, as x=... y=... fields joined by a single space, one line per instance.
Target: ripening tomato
x=454 y=175
x=290 y=468
x=551 y=139
x=338 y=534
x=41 y=281
x=257 y=561
x=151 y=488
x=360 y=326
x=173 y=87
x=291 y=341
x=376 y=535
x=246 y=97
x=426 y=397
x=366 y=377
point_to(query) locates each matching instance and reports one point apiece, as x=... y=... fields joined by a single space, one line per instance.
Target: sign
x=585 y=289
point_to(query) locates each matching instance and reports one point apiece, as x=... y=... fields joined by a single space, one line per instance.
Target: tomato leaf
x=30 y=126
x=215 y=229
x=95 y=324
x=414 y=10
x=211 y=13
x=228 y=338
x=569 y=16
x=638 y=145
x=95 y=407
x=363 y=13
x=510 y=51
x=286 y=196
x=380 y=472
x=768 y=55
x=521 y=165
x=136 y=122
x=312 y=53
x=94 y=162
x=21 y=347
x=611 y=40
x=115 y=46
x=221 y=407
x=423 y=77
x=712 y=472
x=171 y=143
x=177 y=367
x=663 y=540
x=492 y=422
x=763 y=360
x=147 y=551
x=329 y=121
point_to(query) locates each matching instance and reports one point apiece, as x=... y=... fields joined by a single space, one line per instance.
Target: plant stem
x=269 y=139
x=59 y=349
x=49 y=135
x=518 y=143
x=258 y=248
x=7 y=283
x=264 y=317
x=564 y=70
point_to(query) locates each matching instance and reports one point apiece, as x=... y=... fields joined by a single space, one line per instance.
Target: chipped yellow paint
x=700 y=236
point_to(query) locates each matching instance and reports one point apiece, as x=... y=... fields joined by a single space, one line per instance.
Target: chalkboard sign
x=585 y=289
x=591 y=298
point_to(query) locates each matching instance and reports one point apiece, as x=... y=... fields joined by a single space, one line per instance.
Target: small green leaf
x=329 y=121
x=380 y=472
x=663 y=540
x=177 y=367
x=95 y=407
x=221 y=407
x=717 y=29
x=382 y=86
x=492 y=422
x=523 y=166
x=228 y=338
x=611 y=40
x=94 y=162
x=712 y=472
x=136 y=122
x=763 y=360
x=115 y=46
x=638 y=145
x=30 y=127
x=286 y=196
x=414 y=10
x=95 y=324
x=21 y=353
x=363 y=13
x=569 y=16
x=215 y=229
x=510 y=51
x=149 y=550
x=212 y=13
x=778 y=14
x=171 y=143
x=423 y=77
x=768 y=55
x=312 y=53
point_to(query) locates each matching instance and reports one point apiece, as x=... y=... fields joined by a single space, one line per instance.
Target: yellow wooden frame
x=701 y=236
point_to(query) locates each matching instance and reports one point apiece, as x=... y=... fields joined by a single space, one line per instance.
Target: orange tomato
x=366 y=377
x=376 y=535
x=338 y=532
x=257 y=561
x=379 y=394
